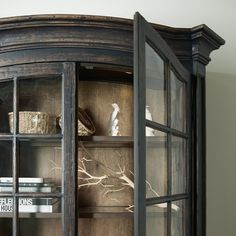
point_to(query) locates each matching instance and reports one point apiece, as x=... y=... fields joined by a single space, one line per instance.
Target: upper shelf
x=31 y=137
x=87 y=141
x=106 y=141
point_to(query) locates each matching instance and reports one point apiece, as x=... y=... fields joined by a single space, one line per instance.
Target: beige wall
x=221 y=154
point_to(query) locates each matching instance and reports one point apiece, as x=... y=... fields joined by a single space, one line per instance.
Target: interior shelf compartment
x=104 y=212
x=106 y=141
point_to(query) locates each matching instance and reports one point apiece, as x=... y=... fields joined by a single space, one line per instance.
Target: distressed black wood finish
x=92 y=39
x=69 y=147
x=48 y=39
x=139 y=128
x=15 y=156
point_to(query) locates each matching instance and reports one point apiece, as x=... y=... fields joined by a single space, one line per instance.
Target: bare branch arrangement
x=123 y=177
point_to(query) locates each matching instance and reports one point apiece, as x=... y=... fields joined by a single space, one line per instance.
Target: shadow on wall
x=221 y=153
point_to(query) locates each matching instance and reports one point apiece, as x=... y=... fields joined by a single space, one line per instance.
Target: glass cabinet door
x=162 y=138
x=36 y=157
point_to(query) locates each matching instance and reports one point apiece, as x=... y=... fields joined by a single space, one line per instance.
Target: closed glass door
x=36 y=157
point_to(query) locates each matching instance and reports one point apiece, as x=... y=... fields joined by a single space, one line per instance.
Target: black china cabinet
x=139 y=88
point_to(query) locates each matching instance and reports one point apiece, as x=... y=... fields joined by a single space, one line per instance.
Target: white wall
x=221 y=153
x=221 y=88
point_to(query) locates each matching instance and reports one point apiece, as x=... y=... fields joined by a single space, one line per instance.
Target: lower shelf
x=104 y=212
x=31 y=215
x=84 y=212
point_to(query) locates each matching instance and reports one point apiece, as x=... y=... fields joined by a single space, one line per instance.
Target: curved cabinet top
x=98 y=39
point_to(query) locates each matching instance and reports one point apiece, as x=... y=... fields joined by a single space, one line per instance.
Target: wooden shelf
x=83 y=212
x=104 y=212
x=31 y=215
x=32 y=137
x=106 y=141
x=5 y=136
x=87 y=141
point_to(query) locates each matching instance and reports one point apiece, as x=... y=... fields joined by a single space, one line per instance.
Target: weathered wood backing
x=97 y=98
x=114 y=227
x=40 y=227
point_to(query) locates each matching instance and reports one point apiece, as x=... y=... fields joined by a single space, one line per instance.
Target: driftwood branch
x=121 y=174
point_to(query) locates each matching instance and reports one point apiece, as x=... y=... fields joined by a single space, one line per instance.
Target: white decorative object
x=114 y=128
x=149 y=131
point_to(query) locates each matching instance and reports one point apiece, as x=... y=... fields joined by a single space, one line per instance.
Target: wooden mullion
x=139 y=127
x=189 y=160
x=169 y=144
x=166 y=129
x=15 y=157
x=158 y=200
x=69 y=150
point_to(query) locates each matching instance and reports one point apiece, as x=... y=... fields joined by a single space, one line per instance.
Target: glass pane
x=179 y=168
x=178 y=218
x=155 y=87
x=5 y=166
x=48 y=226
x=40 y=166
x=39 y=105
x=5 y=225
x=156 y=164
x=178 y=103
x=156 y=221
x=6 y=105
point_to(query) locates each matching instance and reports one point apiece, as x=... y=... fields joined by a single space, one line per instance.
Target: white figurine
x=149 y=131
x=114 y=128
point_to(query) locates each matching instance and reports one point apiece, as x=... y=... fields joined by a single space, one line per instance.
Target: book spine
x=30 y=208
x=7 y=206
x=28 y=201
x=29 y=189
x=28 y=184
x=22 y=180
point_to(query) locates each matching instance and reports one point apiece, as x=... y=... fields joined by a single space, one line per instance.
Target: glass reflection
x=156 y=221
x=178 y=103
x=156 y=164
x=178 y=218
x=155 y=85
x=179 y=171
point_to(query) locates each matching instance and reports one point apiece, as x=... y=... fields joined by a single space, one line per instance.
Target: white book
x=23 y=180
x=32 y=208
x=48 y=189
x=28 y=201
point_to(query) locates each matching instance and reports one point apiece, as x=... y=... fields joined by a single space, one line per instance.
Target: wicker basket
x=31 y=122
x=85 y=124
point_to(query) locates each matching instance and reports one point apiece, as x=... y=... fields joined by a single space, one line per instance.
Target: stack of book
x=28 y=204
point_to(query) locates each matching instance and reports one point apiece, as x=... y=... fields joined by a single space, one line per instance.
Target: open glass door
x=162 y=136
